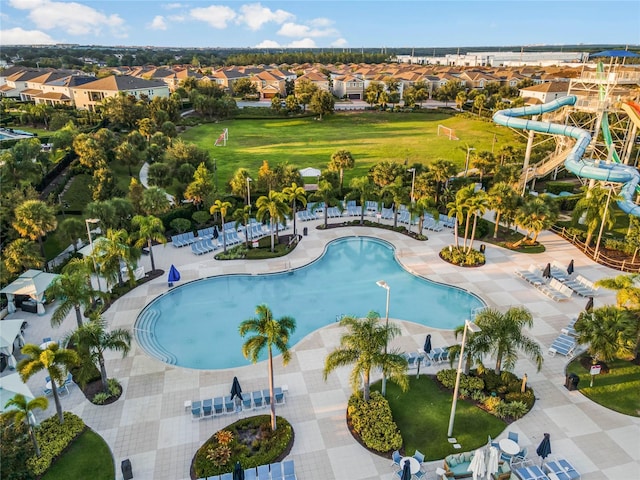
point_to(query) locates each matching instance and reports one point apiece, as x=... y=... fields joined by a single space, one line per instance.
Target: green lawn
x=88 y=457
x=370 y=137
x=617 y=390
x=422 y=414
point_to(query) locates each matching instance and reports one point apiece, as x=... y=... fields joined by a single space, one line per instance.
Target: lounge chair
x=266 y=394
x=250 y=474
x=229 y=405
x=276 y=471
x=564 y=471
x=247 y=403
x=263 y=472
x=564 y=345
x=532 y=275
x=278 y=395
x=582 y=286
x=195 y=249
x=288 y=469
x=196 y=410
x=570 y=329
x=258 y=401
x=226 y=476
x=218 y=406
x=207 y=407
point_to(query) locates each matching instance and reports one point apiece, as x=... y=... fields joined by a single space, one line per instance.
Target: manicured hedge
x=53 y=438
x=374 y=423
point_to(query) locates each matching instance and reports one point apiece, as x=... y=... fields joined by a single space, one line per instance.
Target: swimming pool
x=196 y=325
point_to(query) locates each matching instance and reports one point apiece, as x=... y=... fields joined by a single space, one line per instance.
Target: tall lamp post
x=413 y=183
x=468 y=325
x=88 y=221
x=466 y=162
x=385 y=285
x=604 y=215
x=249 y=180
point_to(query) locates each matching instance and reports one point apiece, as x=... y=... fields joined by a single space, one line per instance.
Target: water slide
x=597 y=170
x=633 y=110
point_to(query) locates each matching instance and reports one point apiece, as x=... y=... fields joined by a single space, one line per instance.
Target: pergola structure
x=32 y=283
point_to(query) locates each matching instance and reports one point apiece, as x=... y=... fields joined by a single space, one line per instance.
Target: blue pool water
x=196 y=325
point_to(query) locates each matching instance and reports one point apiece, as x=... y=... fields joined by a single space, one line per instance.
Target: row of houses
x=65 y=87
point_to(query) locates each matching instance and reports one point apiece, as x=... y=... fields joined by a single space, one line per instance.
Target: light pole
x=413 y=183
x=249 y=180
x=385 y=285
x=604 y=216
x=466 y=162
x=468 y=325
x=87 y=221
x=526 y=179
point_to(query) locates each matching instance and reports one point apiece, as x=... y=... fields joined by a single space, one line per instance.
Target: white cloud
x=172 y=6
x=18 y=36
x=254 y=15
x=74 y=18
x=176 y=18
x=267 y=44
x=341 y=42
x=158 y=23
x=321 y=22
x=290 y=29
x=216 y=16
x=303 y=43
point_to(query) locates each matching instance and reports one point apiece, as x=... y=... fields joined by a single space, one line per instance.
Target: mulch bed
x=95 y=387
x=368 y=223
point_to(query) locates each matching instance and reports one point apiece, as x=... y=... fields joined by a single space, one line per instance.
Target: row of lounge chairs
x=556 y=470
x=578 y=283
x=564 y=345
x=183 y=239
x=215 y=407
x=436 y=355
x=203 y=246
x=276 y=471
x=555 y=290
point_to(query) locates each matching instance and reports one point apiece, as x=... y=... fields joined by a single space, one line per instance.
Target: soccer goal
x=447 y=132
x=222 y=139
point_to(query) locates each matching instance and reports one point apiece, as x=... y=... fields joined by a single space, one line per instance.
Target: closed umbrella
x=589 y=305
x=427 y=345
x=236 y=391
x=547 y=271
x=478 y=467
x=174 y=275
x=238 y=472
x=570 y=267
x=493 y=461
x=544 y=449
x=215 y=232
x=406 y=471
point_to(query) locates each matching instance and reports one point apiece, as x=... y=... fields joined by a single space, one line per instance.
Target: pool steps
x=148 y=341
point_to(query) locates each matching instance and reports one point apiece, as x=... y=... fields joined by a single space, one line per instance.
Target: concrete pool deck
x=149 y=424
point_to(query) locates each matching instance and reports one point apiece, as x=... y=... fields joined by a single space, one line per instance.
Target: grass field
x=88 y=457
x=422 y=415
x=369 y=136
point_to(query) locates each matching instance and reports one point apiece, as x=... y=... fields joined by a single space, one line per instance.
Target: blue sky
x=319 y=23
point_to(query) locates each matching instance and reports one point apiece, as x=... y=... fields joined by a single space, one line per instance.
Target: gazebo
x=10 y=386
x=32 y=283
x=10 y=331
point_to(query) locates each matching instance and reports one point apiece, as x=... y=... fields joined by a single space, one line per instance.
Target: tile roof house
x=61 y=91
x=91 y=94
x=348 y=86
x=17 y=82
x=268 y=85
x=545 y=92
x=318 y=79
x=34 y=85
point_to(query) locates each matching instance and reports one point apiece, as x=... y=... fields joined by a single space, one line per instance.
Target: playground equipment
x=574 y=162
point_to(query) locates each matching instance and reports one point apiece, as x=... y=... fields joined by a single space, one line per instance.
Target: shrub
x=527 y=398
x=374 y=423
x=467 y=382
x=114 y=387
x=224 y=437
x=235 y=253
x=458 y=256
x=181 y=225
x=557 y=187
x=514 y=410
x=220 y=455
x=492 y=403
x=620 y=245
x=100 y=398
x=53 y=438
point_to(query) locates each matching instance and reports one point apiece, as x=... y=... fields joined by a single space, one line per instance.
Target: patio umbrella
x=493 y=461
x=570 y=267
x=215 y=232
x=236 y=391
x=174 y=275
x=547 y=271
x=544 y=449
x=478 y=467
x=238 y=472
x=427 y=344
x=589 y=305
x=406 y=471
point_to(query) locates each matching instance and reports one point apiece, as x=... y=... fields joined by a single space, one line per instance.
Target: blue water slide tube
x=609 y=172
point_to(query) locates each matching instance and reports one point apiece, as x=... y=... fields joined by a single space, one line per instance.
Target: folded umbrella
x=406 y=471
x=236 y=391
x=174 y=275
x=589 y=305
x=427 y=344
x=544 y=449
x=547 y=271
x=570 y=267
x=238 y=472
x=215 y=232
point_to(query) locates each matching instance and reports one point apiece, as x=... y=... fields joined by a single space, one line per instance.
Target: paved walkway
x=149 y=424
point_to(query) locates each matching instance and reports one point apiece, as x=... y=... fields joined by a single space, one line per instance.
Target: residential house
x=348 y=86
x=226 y=77
x=61 y=91
x=545 y=92
x=269 y=85
x=91 y=94
x=17 y=82
x=318 y=79
x=34 y=85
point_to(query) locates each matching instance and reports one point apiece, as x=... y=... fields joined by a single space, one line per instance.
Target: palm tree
x=326 y=195
x=21 y=254
x=295 y=194
x=594 y=207
x=502 y=336
x=503 y=199
x=34 y=219
x=55 y=360
x=110 y=251
x=222 y=207
x=627 y=291
x=442 y=171
x=150 y=229
x=274 y=208
x=71 y=229
x=72 y=291
x=363 y=346
x=268 y=332
x=456 y=210
x=362 y=189
x=242 y=216
x=609 y=331
x=339 y=161
x=424 y=205
x=535 y=215
x=94 y=338
x=478 y=205
x=399 y=194
x=22 y=412
x=461 y=209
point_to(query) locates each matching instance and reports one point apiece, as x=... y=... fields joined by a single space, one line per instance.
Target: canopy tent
x=32 y=283
x=10 y=386
x=614 y=53
x=310 y=172
x=9 y=331
x=88 y=248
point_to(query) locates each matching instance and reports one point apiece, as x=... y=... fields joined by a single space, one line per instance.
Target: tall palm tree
x=21 y=254
x=326 y=195
x=424 y=205
x=627 y=290
x=221 y=207
x=267 y=333
x=593 y=206
x=242 y=216
x=502 y=336
x=295 y=194
x=55 y=360
x=441 y=171
x=72 y=229
x=94 y=337
x=535 y=215
x=362 y=189
x=72 y=291
x=456 y=210
x=609 y=331
x=112 y=249
x=22 y=412
x=503 y=199
x=399 y=194
x=34 y=219
x=363 y=346
x=274 y=208
x=150 y=229
x=478 y=205
x=339 y=161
